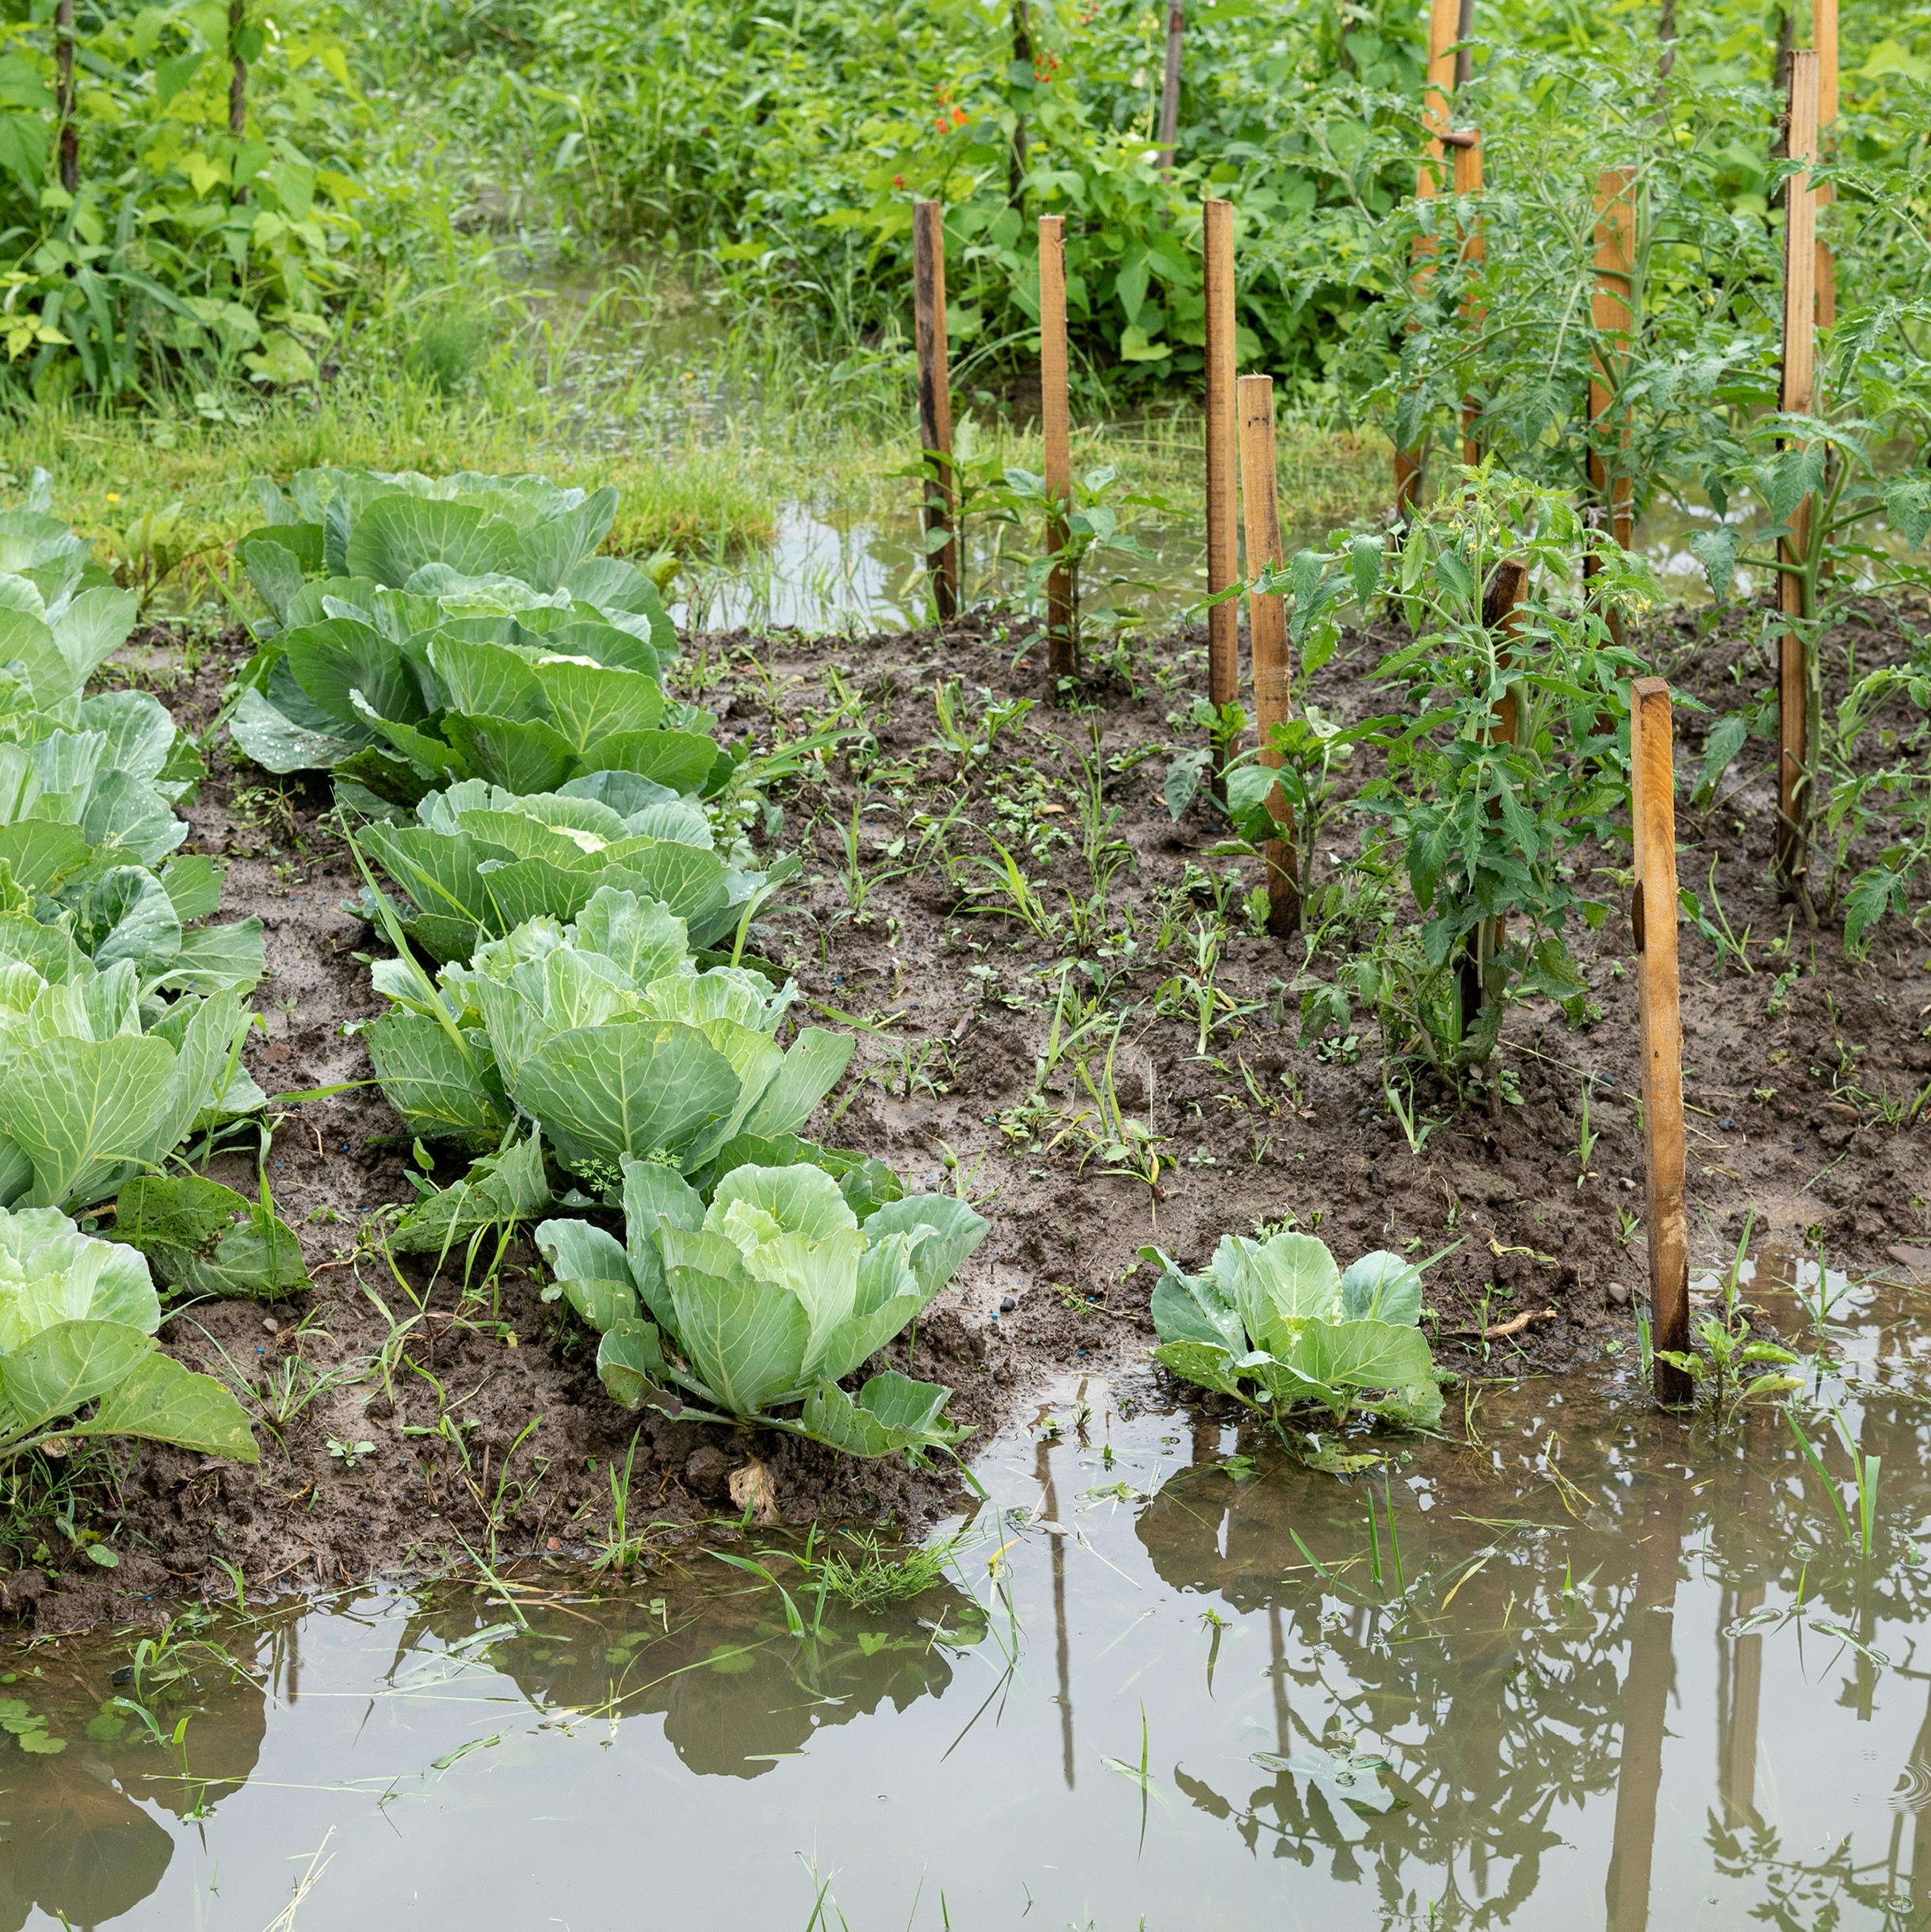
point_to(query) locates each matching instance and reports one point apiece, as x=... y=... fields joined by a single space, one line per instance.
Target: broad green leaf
x=278 y=743
x=1384 y=1287
x=554 y=547
x=652 y=1195
x=1358 y=1355
x=52 y=1373
x=332 y=658
x=50 y=1273
x=593 y=1270
x=892 y=1412
x=77 y=1106
x=954 y=1231
x=162 y=1402
x=1204 y=1364
x=39 y=855
x=799 y=1199
x=94 y=626
x=127 y=915
x=520 y=755
x=631 y=1365
x=425 y=1077
x=214 y=959
x=641 y=937
x=489 y=680
x=140 y=733
x=588 y=703
x=814 y=1066
x=1276 y=1284
x=626 y=1089
x=127 y=811
x=746 y=1343
x=396 y=535
x=204 y=1238
x=680 y=760
x=502 y=1188
x=193 y=883
x=1192 y=1308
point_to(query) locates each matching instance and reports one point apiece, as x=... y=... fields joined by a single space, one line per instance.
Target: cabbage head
x=1277 y=1325
x=78 y=1317
x=765 y=1300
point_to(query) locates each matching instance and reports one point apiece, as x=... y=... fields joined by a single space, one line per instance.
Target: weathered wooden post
x=1267 y=635
x=935 y=402
x=1223 y=542
x=1797 y=396
x=1169 y=85
x=1467 y=143
x=63 y=95
x=1445 y=23
x=1613 y=316
x=1652 y=913
x=1063 y=646
x=1824 y=36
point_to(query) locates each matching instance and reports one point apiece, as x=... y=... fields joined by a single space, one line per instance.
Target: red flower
x=959 y=118
x=898 y=180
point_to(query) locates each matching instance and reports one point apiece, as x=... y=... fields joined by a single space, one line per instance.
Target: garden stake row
x=1222 y=546
x=935 y=403
x=1652 y=813
x=1267 y=636
x=1795 y=598
x=1063 y=646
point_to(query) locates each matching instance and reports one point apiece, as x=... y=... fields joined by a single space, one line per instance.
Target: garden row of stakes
x=1259 y=789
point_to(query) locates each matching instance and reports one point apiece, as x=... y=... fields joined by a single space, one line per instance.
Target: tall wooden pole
x=63 y=95
x=1170 y=86
x=1022 y=57
x=1474 y=250
x=1652 y=913
x=1062 y=645
x=935 y=402
x=1267 y=633
x=1824 y=35
x=1223 y=542
x=1798 y=396
x=1614 y=319
x=1444 y=21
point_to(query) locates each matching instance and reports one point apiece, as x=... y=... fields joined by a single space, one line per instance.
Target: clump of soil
x=1792 y=1066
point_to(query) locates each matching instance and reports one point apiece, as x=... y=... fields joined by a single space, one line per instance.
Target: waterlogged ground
x=1579 y=1662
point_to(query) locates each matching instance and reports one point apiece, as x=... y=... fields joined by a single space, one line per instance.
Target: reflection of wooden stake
x=935 y=401
x=1054 y=420
x=1824 y=34
x=1266 y=633
x=1646 y=1709
x=1222 y=544
x=1800 y=353
x=1653 y=916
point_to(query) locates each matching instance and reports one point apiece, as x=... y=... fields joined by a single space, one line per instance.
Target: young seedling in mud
x=1130 y=1148
x=1714 y=926
x=1586 y=1135
x=1195 y=994
x=970 y=740
x=1722 y=1354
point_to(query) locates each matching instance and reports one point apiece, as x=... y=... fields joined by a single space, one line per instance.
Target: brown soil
x=1773 y=1129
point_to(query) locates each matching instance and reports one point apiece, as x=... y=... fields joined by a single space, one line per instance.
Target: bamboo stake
x=1824 y=33
x=1474 y=249
x=1267 y=635
x=1223 y=542
x=935 y=401
x=1444 y=21
x=1653 y=913
x=1170 y=86
x=1063 y=646
x=1797 y=397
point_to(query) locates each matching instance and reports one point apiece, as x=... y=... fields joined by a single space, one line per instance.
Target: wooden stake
x=1170 y=86
x=935 y=401
x=1798 y=396
x=1652 y=913
x=1824 y=34
x=1063 y=646
x=69 y=139
x=1474 y=249
x=1616 y=235
x=1266 y=633
x=1478 y=978
x=1223 y=542
x=1444 y=20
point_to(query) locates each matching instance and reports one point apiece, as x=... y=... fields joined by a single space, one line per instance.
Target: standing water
x=1578 y=1664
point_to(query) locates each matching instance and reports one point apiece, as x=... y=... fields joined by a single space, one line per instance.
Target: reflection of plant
x=769 y=1296
x=1282 y=1317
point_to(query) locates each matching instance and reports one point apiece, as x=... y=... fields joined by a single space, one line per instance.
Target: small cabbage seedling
x=1278 y=1326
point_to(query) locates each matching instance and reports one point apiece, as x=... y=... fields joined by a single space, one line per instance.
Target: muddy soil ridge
x=397 y=1439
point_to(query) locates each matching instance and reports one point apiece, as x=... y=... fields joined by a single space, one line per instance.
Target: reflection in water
x=1455 y=1692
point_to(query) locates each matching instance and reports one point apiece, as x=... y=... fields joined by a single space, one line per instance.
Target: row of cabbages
x=569 y=1001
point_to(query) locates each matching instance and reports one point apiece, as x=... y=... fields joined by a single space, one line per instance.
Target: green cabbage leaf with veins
x=765 y=1300
x=1278 y=1326
x=78 y=1317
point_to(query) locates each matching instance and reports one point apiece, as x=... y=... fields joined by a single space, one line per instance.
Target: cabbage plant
x=480 y=860
x=430 y=631
x=605 y=1031
x=1277 y=1325
x=765 y=1300
x=78 y=1318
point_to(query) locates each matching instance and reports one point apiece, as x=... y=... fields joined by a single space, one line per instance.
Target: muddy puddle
x=1583 y=1664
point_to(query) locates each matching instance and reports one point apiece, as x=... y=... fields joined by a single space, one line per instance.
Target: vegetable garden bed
x=973 y=1074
